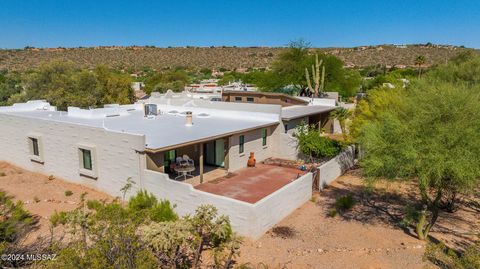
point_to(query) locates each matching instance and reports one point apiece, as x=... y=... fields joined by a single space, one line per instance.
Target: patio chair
x=190 y=162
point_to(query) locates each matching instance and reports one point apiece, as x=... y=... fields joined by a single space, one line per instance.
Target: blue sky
x=71 y=23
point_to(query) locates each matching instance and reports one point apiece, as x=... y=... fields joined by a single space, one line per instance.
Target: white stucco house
x=102 y=148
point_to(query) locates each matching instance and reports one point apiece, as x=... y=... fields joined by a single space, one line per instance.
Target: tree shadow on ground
x=386 y=205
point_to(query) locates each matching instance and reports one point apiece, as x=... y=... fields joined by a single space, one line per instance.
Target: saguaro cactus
x=318 y=79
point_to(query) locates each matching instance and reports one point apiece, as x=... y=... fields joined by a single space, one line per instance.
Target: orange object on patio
x=251 y=160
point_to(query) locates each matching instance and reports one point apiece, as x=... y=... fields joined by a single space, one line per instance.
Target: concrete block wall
x=115 y=154
x=250 y=220
x=253 y=143
x=336 y=167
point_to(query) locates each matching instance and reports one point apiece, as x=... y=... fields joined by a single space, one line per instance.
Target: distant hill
x=136 y=57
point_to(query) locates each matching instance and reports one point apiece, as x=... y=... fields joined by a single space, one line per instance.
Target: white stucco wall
x=115 y=153
x=251 y=220
x=117 y=158
x=334 y=168
x=253 y=143
x=293 y=124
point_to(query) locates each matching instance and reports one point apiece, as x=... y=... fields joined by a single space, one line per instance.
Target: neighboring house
x=295 y=110
x=138 y=89
x=262 y=98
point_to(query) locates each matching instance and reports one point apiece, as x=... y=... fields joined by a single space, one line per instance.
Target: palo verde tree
x=432 y=136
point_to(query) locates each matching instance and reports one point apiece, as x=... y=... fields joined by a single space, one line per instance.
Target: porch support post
x=201 y=162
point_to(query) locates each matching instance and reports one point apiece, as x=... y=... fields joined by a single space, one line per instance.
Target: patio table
x=184 y=170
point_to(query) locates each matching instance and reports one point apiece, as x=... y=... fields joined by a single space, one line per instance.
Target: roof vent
x=188 y=118
x=203 y=115
x=150 y=110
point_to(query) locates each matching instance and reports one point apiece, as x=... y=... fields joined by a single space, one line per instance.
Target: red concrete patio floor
x=252 y=184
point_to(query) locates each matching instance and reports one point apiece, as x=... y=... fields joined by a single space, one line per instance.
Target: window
x=264 y=136
x=35 y=148
x=86 y=159
x=241 y=144
x=169 y=158
x=238 y=99
x=250 y=99
x=34 y=144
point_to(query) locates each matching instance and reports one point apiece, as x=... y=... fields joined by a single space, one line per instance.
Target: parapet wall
x=336 y=167
x=250 y=220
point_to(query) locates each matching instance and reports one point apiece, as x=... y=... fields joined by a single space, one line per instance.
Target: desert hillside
x=228 y=58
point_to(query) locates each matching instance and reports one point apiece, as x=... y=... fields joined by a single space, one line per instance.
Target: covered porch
x=193 y=163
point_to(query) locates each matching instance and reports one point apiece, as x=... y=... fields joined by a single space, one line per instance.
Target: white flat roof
x=166 y=130
x=295 y=112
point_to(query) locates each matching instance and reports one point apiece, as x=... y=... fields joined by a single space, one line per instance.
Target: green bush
x=345 y=202
x=332 y=213
x=311 y=144
x=444 y=257
x=111 y=235
x=144 y=205
x=68 y=193
x=15 y=220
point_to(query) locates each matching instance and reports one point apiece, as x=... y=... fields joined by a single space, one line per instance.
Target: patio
x=252 y=184
x=194 y=164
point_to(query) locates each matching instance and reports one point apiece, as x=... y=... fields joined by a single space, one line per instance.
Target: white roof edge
x=32 y=105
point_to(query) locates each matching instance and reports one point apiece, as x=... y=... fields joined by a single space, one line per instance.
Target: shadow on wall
x=346 y=159
x=336 y=167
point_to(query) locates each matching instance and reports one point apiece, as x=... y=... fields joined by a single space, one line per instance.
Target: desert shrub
x=15 y=224
x=332 y=213
x=51 y=177
x=345 y=202
x=101 y=235
x=311 y=144
x=444 y=257
x=183 y=244
x=284 y=231
x=36 y=199
x=14 y=220
x=144 y=204
x=68 y=193
x=2 y=174
x=111 y=235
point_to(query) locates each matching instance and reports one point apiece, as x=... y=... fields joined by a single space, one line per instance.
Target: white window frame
x=93 y=155
x=35 y=158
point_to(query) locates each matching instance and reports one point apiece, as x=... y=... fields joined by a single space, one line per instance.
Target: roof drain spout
x=188 y=118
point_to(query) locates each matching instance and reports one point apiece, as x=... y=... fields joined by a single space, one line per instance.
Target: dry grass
x=283 y=232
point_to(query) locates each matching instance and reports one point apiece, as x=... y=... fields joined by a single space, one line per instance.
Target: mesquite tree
x=431 y=136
